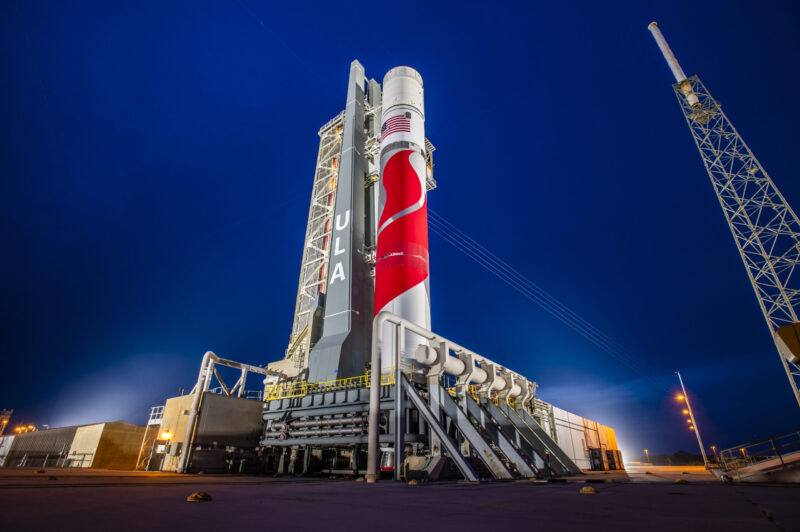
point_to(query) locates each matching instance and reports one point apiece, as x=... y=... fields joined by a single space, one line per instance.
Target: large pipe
x=203 y=384
x=321 y=422
x=323 y=432
x=446 y=363
x=672 y=61
x=330 y=440
x=498 y=378
x=198 y=393
x=375 y=398
x=327 y=422
x=328 y=411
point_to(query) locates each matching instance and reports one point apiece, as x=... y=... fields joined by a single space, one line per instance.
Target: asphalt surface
x=636 y=500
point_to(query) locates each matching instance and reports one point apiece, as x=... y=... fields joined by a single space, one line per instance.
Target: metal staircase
x=560 y=463
x=481 y=439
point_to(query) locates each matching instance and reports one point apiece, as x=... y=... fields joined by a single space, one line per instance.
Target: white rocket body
x=402 y=268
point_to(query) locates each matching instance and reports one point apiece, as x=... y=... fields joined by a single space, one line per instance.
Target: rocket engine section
x=402 y=269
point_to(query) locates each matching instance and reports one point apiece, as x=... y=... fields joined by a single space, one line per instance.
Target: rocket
x=401 y=268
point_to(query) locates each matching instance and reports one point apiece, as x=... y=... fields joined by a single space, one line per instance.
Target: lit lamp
x=690 y=420
x=166 y=435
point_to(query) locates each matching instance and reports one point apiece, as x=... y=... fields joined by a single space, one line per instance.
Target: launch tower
x=366 y=385
x=365 y=377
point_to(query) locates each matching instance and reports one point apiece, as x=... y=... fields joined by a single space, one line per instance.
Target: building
x=110 y=445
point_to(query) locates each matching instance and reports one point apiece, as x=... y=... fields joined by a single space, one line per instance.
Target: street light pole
x=694 y=423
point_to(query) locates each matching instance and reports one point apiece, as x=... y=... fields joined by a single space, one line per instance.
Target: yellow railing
x=289 y=390
x=285 y=390
x=388 y=376
x=448 y=382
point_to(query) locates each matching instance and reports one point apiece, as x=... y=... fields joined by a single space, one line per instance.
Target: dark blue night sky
x=157 y=158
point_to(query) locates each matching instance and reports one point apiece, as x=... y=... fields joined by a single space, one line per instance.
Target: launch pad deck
x=104 y=500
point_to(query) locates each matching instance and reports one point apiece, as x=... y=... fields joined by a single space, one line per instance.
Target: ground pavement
x=642 y=499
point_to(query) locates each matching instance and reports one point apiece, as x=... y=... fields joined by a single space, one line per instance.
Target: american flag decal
x=396 y=124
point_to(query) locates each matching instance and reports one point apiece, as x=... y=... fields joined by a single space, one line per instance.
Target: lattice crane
x=765 y=228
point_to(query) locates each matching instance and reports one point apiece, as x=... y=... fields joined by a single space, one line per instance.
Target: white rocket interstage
x=401 y=269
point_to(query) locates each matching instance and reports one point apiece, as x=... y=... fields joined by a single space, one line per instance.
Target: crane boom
x=765 y=228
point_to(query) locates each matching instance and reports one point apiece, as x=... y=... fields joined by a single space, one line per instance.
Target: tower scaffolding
x=765 y=228
x=313 y=275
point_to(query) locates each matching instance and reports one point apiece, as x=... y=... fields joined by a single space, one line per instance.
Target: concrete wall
x=174 y=421
x=119 y=446
x=608 y=436
x=571 y=436
x=41 y=448
x=576 y=435
x=5 y=446
x=223 y=423
x=112 y=445
x=84 y=445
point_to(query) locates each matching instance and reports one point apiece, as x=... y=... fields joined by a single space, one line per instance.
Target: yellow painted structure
x=173 y=430
x=112 y=445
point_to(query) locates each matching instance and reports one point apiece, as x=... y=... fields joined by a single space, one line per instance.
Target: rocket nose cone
x=402 y=71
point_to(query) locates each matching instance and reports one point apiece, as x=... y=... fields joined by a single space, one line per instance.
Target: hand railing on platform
x=777 y=448
x=156 y=414
x=290 y=390
x=246 y=394
x=448 y=382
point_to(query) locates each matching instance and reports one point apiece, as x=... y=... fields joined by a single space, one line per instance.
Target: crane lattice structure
x=765 y=228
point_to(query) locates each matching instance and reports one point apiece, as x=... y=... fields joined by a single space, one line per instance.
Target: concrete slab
x=652 y=474
x=137 y=501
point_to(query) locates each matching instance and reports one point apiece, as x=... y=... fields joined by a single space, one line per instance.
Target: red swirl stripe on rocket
x=402 y=251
